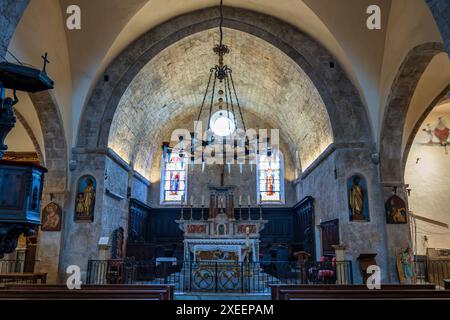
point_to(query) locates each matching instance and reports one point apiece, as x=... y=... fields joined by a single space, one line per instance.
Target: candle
x=247 y=230
x=203 y=200
x=248 y=200
x=240 y=199
x=192 y=200
x=182 y=199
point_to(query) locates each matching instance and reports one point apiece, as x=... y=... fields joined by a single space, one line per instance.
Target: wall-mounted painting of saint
x=395 y=210
x=51 y=217
x=358 y=203
x=85 y=199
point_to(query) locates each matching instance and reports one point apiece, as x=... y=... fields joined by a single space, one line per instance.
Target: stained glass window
x=174 y=177
x=270 y=178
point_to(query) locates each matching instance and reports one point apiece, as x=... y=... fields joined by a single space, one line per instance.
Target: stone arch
x=404 y=85
x=32 y=136
x=55 y=147
x=347 y=113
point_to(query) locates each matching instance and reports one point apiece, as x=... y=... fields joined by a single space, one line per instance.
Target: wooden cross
x=45 y=61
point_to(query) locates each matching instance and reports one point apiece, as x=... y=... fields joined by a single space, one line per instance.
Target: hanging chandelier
x=222 y=109
x=228 y=116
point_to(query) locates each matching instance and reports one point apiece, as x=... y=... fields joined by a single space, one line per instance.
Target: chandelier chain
x=206 y=93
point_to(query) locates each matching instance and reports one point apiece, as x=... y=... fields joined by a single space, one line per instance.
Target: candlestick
x=202 y=218
x=182 y=207
x=249 y=214
x=260 y=212
x=191 y=217
x=240 y=212
x=240 y=199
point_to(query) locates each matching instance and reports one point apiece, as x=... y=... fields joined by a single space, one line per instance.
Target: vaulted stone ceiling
x=170 y=89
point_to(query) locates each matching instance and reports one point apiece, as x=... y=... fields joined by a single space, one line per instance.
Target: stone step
x=221 y=296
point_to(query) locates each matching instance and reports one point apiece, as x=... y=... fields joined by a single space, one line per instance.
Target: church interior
x=172 y=149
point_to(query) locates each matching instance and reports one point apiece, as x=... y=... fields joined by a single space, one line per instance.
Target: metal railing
x=213 y=276
x=12 y=266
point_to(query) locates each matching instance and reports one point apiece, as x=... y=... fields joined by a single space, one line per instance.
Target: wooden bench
x=23 y=278
x=55 y=294
x=87 y=292
x=167 y=289
x=368 y=295
x=280 y=290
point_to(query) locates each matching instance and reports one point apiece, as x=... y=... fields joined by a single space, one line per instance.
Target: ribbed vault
x=170 y=88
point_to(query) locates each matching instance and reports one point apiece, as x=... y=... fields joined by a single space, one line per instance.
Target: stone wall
x=116 y=182
x=81 y=238
x=428 y=172
x=140 y=188
x=327 y=184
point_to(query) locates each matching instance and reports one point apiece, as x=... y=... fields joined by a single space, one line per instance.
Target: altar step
x=221 y=296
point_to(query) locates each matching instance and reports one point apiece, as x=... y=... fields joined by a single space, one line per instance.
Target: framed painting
x=51 y=217
x=396 y=210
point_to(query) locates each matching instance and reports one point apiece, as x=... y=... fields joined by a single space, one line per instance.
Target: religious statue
x=7 y=119
x=79 y=207
x=51 y=218
x=395 y=210
x=85 y=200
x=356 y=200
x=405 y=266
x=89 y=197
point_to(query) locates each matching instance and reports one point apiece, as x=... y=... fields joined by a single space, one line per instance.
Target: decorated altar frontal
x=220 y=253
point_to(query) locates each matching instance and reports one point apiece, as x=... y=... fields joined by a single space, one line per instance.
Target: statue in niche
x=85 y=200
x=357 y=197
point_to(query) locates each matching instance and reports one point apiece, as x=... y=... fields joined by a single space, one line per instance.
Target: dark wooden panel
x=330 y=236
x=304 y=229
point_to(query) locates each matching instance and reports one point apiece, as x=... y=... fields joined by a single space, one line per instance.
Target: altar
x=222 y=250
x=222 y=237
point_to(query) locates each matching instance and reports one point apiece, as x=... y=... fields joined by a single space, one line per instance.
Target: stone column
x=341 y=265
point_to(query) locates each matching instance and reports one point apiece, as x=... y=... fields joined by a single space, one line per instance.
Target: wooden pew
x=168 y=289
x=368 y=295
x=280 y=290
x=23 y=277
x=56 y=294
